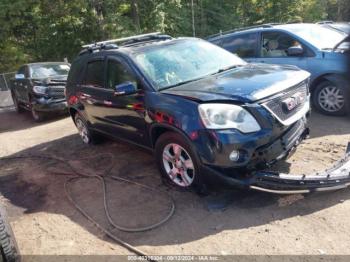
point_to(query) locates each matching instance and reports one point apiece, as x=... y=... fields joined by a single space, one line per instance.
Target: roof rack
x=124 y=39
x=325 y=22
x=269 y=25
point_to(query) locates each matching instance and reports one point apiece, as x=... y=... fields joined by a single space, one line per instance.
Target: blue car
x=207 y=115
x=320 y=50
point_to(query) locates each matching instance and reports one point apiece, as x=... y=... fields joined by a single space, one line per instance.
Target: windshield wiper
x=181 y=83
x=226 y=69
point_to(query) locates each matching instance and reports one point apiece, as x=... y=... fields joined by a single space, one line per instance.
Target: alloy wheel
x=83 y=131
x=331 y=99
x=35 y=115
x=178 y=165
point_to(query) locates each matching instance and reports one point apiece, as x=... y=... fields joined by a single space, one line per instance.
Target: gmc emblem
x=293 y=101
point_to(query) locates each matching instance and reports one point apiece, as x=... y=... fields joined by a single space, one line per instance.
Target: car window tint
x=118 y=74
x=243 y=45
x=275 y=44
x=94 y=74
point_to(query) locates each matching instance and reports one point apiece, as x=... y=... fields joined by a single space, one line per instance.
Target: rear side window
x=94 y=74
x=75 y=73
x=243 y=45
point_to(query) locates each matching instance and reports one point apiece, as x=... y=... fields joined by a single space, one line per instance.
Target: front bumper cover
x=49 y=104
x=334 y=178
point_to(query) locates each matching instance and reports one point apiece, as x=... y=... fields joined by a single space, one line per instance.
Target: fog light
x=234 y=156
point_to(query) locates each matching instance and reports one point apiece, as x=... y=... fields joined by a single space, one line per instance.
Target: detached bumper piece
x=334 y=178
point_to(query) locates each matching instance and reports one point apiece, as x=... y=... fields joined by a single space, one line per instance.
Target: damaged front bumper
x=334 y=178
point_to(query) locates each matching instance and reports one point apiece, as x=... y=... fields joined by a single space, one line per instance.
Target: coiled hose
x=102 y=179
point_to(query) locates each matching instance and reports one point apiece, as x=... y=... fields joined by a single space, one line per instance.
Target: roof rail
x=124 y=39
x=91 y=49
x=325 y=22
x=269 y=25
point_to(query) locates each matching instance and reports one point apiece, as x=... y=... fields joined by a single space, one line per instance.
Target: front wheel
x=37 y=116
x=329 y=98
x=177 y=161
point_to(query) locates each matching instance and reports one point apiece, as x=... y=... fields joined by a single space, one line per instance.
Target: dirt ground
x=45 y=223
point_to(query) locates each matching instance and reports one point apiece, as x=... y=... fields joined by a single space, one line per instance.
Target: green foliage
x=42 y=30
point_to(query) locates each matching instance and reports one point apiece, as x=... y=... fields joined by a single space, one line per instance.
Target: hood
x=247 y=83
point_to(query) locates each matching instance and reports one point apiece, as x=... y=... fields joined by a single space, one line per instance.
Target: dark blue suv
x=204 y=112
x=322 y=51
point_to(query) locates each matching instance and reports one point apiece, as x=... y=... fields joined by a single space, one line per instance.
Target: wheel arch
x=157 y=130
x=72 y=113
x=325 y=77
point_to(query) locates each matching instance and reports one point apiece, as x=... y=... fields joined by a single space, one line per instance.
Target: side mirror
x=295 y=51
x=19 y=76
x=126 y=88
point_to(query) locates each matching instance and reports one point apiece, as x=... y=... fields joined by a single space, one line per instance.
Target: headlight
x=224 y=116
x=41 y=90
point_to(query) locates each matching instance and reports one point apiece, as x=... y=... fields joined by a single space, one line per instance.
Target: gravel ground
x=45 y=223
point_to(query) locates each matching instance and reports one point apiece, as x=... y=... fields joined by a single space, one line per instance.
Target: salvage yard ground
x=44 y=221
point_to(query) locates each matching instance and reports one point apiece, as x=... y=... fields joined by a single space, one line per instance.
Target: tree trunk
x=135 y=15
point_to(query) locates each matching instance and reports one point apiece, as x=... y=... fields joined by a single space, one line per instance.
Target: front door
x=273 y=50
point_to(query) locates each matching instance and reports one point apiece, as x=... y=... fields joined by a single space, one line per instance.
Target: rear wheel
x=85 y=133
x=329 y=98
x=177 y=161
x=8 y=245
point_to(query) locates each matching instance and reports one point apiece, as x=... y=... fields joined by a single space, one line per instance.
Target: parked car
x=205 y=113
x=39 y=87
x=322 y=51
x=341 y=26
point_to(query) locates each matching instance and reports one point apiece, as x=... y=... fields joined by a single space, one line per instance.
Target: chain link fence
x=5 y=94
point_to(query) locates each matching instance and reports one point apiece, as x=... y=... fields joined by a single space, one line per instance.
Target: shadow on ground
x=24 y=120
x=38 y=186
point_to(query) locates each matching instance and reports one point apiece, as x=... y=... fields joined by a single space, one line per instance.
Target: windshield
x=318 y=36
x=49 y=70
x=182 y=61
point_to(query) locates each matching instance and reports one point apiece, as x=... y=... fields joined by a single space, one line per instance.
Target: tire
x=329 y=98
x=8 y=246
x=17 y=105
x=85 y=133
x=37 y=116
x=178 y=163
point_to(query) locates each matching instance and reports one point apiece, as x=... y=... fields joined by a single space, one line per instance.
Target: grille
x=56 y=92
x=278 y=106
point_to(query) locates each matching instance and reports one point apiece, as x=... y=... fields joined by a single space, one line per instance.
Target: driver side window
x=275 y=44
x=118 y=74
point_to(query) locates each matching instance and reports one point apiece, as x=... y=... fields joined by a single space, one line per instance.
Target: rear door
x=273 y=46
